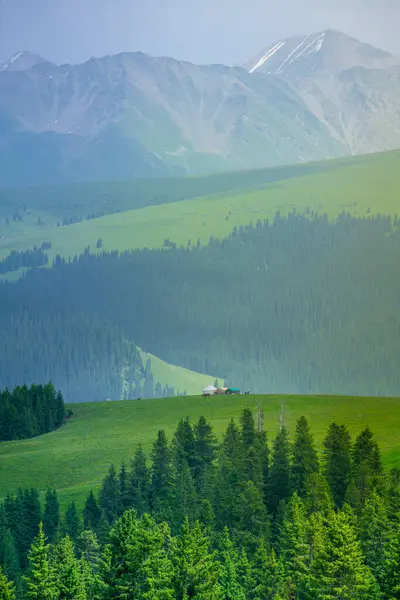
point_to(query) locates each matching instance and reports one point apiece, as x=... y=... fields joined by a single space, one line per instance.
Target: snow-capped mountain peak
x=21 y=61
x=329 y=50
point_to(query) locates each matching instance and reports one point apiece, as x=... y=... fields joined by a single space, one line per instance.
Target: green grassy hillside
x=75 y=458
x=180 y=378
x=360 y=186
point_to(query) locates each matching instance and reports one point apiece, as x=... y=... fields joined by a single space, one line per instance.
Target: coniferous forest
x=243 y=519
x=27 y=412
x=298 y=305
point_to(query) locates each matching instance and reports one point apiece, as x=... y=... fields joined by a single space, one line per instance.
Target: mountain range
x=132 y=115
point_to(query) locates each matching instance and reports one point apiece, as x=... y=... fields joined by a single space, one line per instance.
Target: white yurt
x=210 y=389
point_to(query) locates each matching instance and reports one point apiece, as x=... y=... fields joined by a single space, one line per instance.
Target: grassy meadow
x=75 y=458
x=361 y=186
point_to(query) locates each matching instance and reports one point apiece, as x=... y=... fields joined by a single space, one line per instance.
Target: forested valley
x=298 y=304
x=240 y=519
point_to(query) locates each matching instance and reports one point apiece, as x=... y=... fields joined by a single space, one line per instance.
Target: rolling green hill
x=180 y=378
x=75 y=458
x=361 y=186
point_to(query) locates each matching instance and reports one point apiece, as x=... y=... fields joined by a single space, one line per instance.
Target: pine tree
x=367 y=450
x=205 y=445
x=183 y=444
x=51 y=516
x=197 y=571
x=7 y=590
x=91 y=513
x=366 y=469
x=279 y=475
x=391 y=585
x=136 y=565
x=252 y=521
x=337 y=461
x=139 y=484
x=293 y=547
x=304 y=457
x=9 y=557
x=89 y=550
x=375 y=535
x=72 y=525
x=70 y=584
x=267 y=576
x=123 y=489
x=109 y=497
x=248 y=430
x=161 y=478
x=339 y=570
x=40 y=582
x=184 y=499
x=229 y=579
x=317 y=494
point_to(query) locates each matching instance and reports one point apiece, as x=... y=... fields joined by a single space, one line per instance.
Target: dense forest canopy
x=27 y=412
x=299 y=304
x=240 y=519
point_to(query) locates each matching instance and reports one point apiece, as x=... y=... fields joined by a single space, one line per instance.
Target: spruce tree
x=183 y=443
x=7 y=590
x=91 y=513
x=138 y=493
x=304 y=457
x=72 y=525
x=205 y=446
x=109 y=496
x=339 y=570
x=135 y=563
x=51 y=516
x=375 y=535
x=317 y=494
x=184 y=501
x=267 y=576
x=279 y=474
x=337 y=461
x=367 y=450
x=161 y=478
x=69 y=581
x=197 y=571
x=391 y=585
x=293 y=547
x=229 y=579
x=40 y=582
x=9 y=556
x=248 y=429
x=123 y=489
x=30 y=517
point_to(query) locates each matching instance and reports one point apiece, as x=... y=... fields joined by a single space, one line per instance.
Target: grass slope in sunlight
x=363 y=186
x=75 y=458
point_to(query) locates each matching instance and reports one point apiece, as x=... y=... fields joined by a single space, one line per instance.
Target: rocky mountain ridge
x=133 y=115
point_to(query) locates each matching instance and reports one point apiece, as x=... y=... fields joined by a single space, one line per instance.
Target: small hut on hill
x=210 y=389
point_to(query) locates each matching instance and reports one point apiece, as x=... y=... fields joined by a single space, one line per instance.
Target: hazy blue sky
x=202 y=31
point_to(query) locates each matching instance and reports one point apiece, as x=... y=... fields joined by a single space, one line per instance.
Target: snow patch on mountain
x=267 y=56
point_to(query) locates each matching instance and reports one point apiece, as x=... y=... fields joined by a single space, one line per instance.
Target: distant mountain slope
x=330 y=50
x=22 y=61
x=143 y=116
x=352 y=88
x=132 y=115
